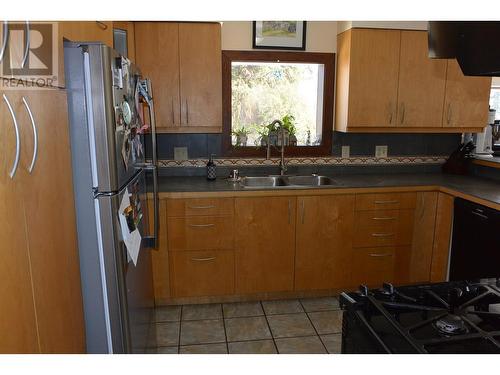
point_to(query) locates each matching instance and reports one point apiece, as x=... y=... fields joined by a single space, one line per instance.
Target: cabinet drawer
x=383 y=228
x=200 y=207
x=202 y=273
x=200 y=233
x=385 y=201
x=373 y=266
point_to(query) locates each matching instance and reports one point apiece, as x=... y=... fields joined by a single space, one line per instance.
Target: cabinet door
x=201 y=76
x=467 y=99
x=421 y=83
x=50 y=221
x=423 y=238
x=157 y=55
x=264 y=244
x=373 y=77
x=18 y=332
x=442 y=237
x=324 y=241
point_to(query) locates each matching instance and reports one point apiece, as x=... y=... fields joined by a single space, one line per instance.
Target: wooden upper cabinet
x=183 y=61
x=367 y=86
x=323 y=241
x=387 y=83
x=157 y=55
x=201 y=75
x=467 y=98
x=421 y=83
x=264 y=244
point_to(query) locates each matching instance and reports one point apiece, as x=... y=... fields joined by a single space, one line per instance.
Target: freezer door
x=129 y=287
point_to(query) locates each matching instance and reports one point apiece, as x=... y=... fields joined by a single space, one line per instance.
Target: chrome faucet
x=282 y=164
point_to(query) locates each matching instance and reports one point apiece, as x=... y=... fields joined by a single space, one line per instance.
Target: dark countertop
x=476 y=187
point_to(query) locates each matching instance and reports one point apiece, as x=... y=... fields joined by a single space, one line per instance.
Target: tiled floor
x=311 y=325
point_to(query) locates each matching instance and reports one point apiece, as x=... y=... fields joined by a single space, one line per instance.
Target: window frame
x=328 y=61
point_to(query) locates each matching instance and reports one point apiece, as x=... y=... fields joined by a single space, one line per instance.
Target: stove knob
x=388 y=288
x=363 y=290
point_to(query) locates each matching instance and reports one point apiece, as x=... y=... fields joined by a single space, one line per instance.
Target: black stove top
x=452 y=317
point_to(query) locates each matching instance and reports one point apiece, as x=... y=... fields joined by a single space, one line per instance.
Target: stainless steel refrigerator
x=110 y=110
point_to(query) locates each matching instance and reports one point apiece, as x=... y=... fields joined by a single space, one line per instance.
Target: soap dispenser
x=211 y=169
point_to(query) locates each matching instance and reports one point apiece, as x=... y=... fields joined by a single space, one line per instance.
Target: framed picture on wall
x=289 y=35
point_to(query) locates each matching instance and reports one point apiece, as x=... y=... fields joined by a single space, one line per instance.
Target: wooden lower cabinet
x=264 y=244
x=442 y=238
x=202 y=273
x=323 y=241
x=372 y=266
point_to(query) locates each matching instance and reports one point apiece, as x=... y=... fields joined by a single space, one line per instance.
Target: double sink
x=286 y=181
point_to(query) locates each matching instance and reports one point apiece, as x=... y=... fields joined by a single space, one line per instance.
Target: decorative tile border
x=357 y=160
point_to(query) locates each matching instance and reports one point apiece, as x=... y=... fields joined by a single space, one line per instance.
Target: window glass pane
x=495 y=101
x=266 y=91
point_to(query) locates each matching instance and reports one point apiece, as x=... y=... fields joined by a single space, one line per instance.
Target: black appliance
x=472 y=43
x=452 y=317
x=475 y=249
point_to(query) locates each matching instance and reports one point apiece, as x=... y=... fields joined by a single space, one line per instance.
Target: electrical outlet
x=180 y=153
x=346 y=151
x=380 y=151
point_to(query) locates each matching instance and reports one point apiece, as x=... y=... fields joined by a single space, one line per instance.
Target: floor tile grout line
x=315 y=330
x=224 y=325
x=269 y=327
x=180 y=329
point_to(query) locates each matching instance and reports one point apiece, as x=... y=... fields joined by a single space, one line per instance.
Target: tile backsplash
x=202 y=145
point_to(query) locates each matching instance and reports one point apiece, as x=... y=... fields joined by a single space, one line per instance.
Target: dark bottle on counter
x=211 y=169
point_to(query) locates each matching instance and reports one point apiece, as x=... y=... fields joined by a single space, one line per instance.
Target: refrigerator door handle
x=152 y=241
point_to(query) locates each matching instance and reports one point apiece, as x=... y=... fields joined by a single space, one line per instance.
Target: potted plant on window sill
x=241 y=135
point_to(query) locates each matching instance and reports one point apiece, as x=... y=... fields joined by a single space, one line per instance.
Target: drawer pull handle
x=201 y=225
x=201 y=207
x=382 y=234
x=203 y=259
x=386 y=202
x=381 y=255
x=384 y=218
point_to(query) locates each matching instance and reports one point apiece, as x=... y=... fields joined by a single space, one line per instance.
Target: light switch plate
x=180 y=153
x=380 y=151
x=346 y=151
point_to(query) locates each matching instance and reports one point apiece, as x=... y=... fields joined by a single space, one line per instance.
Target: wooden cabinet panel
x=373 y=77
x=421 y=83
x=200 y=74
x=442 y=237
x=200 y=233
x=423 y=237
x=50 y=221
x=381 y=232
x=159 y=256
x=157 y=55
x=264 y=244
x=200 y=206
x=373 y=267
x=202 y=273
x=385 y=201
x=18 y=333
x=323 y=241
x=466 y=100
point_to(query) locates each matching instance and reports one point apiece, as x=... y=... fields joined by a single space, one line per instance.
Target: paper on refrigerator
x=132 y=239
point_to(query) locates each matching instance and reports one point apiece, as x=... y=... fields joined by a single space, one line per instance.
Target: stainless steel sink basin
x=286 y=181
x=266 y=181
x=310 y=180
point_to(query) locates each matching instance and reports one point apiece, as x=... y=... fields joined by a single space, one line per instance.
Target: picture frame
x=282 y=35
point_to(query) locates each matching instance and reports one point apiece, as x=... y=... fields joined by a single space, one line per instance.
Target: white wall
x=321 y=36
x=406 y=25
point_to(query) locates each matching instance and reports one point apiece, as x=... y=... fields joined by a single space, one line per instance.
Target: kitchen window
x=293 y=87
x=495 y=101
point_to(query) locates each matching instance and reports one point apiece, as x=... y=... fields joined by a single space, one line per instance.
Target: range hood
x=475 y=45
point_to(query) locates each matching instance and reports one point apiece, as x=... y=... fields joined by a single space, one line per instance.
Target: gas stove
x=451 y=317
